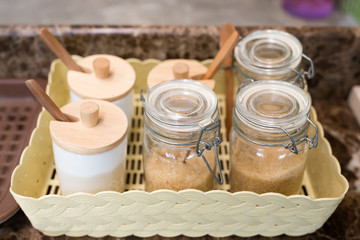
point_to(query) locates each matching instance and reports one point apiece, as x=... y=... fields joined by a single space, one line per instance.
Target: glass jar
x=271 y=55
x=269 y=140
x=181 y=136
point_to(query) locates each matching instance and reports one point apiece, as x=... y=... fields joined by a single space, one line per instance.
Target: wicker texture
x=189 y=212
x=168 y=213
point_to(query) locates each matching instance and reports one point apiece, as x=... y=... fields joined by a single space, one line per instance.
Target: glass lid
x=181 y=102
x=269 y=50
x=272 y=104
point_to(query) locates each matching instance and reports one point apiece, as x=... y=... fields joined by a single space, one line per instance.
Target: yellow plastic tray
x=167 y=213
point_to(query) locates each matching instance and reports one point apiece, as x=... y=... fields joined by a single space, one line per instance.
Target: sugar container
x=270 y=138
x=90 y=153
x=181 y=136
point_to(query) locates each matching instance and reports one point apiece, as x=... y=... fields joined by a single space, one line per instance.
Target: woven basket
x=167 y=213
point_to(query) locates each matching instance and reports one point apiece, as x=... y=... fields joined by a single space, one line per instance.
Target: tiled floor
x=158 y=12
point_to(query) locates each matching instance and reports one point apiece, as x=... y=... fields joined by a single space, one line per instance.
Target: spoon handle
x=59 y=50
x=225 y=32
x=46 y=101
x=221 y=55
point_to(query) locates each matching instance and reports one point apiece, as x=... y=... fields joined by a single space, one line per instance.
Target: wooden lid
x=178 y=69
x=101 y=127
x=113 y=78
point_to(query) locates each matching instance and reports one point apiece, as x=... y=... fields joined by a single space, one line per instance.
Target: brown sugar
x=178 y=169
x=264 y=169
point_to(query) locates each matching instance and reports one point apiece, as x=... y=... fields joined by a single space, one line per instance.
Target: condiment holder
x=167 y=213
x=90 y=154
x=181 y=136
x=89 y=143
x=181 y=124
x=269 y=141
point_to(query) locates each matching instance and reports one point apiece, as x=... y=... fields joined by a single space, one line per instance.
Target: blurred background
x=182 y=12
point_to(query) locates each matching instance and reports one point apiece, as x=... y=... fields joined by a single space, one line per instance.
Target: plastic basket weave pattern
x=164 y=212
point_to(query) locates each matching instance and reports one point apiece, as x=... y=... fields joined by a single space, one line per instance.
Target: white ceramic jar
x=107 y=77
x=90 y=154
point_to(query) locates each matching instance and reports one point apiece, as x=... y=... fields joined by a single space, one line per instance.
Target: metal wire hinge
x=142 y=98
x=292 y=145
x=313 y=142
x=244 y=83
x=309 y=73
x=214 y=142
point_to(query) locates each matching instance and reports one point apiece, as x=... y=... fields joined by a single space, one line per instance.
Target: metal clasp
x=214 y=142
x=313 y=142
x=244 y=83
x=292 y=145
x=142 y=98
x=309 y=73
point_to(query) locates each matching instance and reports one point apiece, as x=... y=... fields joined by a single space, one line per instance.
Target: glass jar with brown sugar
x=269 y=140
x=181 y=136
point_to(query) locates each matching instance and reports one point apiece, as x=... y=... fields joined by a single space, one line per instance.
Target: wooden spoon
x=59 y=50
x=224 y=51
x=225 y=32
x=46 y=101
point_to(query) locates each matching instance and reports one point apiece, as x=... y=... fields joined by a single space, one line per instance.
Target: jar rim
x=269 y=106
x=285 y=43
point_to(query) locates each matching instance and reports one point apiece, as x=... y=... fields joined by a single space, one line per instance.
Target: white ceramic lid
x=108 y=131
x=119 y=83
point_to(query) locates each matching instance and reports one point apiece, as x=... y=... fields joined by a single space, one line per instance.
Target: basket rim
x=182 y=192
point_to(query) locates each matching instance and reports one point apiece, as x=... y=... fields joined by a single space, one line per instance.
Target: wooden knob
x=89 y=114
x=101 y=67
x=181 y=70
